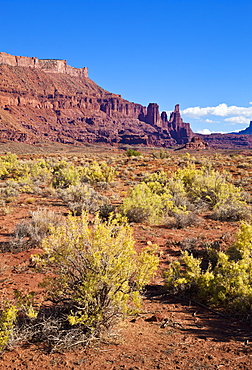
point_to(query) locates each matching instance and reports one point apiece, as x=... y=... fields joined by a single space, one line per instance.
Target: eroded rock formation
x=179 y=130
x=197 y=143
x=49 y=100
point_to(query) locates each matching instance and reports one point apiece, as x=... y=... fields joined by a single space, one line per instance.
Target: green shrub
x=7 y=323
x=10 y=166
x=41 y=172
x=26 y=303
x=106 y=210
x=161 y=184
x=26 y=176
x=29 y=233
x=226 y=282
x=157 y=182
x=97 y=173
x=161 y=154
x=188 y=189
x=176 y=187
x=138 y=214
x=133 y=153
x=65 y=174
x=182 y=219
x=8 y=193
x=98 y=276
x=143 y=203
x=81 y=198
x=208 y=185
x=231 y=211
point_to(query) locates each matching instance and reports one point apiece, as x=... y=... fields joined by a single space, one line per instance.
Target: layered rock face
x=47 y=65
x=49 y=100
x=228 y=141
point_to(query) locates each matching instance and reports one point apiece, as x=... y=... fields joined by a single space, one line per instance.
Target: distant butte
x=246 y=131
x=48 y=100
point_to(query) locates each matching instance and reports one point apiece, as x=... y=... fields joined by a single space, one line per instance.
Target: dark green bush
x=133 y=153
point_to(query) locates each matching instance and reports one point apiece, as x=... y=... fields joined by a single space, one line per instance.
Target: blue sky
x=196 y=53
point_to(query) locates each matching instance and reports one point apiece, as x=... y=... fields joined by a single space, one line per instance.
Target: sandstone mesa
x=48 y=100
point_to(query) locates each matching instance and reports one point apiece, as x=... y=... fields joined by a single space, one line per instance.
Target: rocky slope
x=47 y=100
x=228 y=141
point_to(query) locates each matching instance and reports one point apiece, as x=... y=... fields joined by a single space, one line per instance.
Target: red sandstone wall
x=8 y=59
x=47 y=65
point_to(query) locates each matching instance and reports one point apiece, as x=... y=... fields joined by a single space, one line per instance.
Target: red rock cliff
x=47 y=65
x=49 y=100
x=179 y=130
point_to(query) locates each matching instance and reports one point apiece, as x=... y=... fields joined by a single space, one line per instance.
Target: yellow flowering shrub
x=97 y=273
x=65 y=174
x=12 y=167
x=208 y=185
x=226 y=282
x=7 y=323
x=98 y=172
x=148 y=203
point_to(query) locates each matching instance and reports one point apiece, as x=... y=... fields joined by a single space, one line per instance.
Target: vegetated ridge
x=47 y=100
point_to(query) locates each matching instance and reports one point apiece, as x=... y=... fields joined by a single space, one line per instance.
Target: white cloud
x=222 y=110
x=237 y=119
x=205 y=131
x=250 y=102
x=211 y=121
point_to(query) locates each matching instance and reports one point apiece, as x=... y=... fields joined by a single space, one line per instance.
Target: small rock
x=157 y=317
